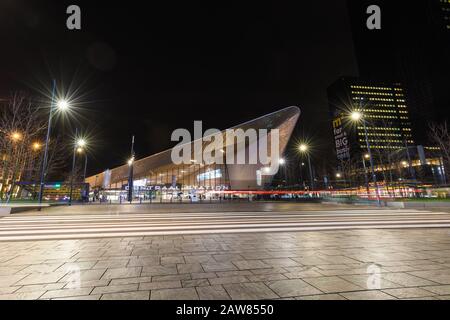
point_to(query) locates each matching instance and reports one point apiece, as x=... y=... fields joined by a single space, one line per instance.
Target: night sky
x=149 y=69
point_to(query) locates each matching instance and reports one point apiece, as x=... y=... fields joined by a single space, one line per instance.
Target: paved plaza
x=367 y=263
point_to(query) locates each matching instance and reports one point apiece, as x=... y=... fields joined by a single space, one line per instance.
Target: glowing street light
x=36 y=146
x=338 y=175
x=61 y=105
x=81 y=143
x=131 y=161
x=16 y=136
x=79 y=147
x=282 y=161
x=357 y=116
x=304 y=149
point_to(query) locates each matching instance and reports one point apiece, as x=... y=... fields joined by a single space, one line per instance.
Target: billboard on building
x=341 y=139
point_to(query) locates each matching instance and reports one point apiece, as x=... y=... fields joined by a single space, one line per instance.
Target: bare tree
x=440 y=136
x=22 y=127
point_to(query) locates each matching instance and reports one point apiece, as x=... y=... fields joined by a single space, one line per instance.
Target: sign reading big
x=341 y=140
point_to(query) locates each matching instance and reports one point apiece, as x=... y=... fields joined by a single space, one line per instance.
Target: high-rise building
x=385 y=110
x=412 y=47
x=445 y=14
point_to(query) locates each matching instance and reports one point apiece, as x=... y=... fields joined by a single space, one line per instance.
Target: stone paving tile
x=86 y=283
x=292 y=288
x=267 y=271
x=365 y=281
x=40 y=287
x=130 y=280
x=40 y=268
x=6 y=281
x=425 y=298
x=90 y=297
x=84 y=275
x=81 y=265
x=189 y=268
x=322 y=297
x=105 y=264
x=303 y=274
x=131 y=272
x=440 y=290
x=266 y=277
x=332 y=284
x=144 y=261
x=199 y=259
x=8 y=290
x=227 y=257
x=174 y=294
x=407 y=293
x=439 y=276
x=159 y=285
x=203 y=275
x=367 y=295
x=137 y=295
x=195 y=283
x=406 y=280
x=172 y=260
x=218 y=266
x=251 y=264
x=41 y=278
x=226 y=280
x=66 y=293
x=212 y=293
x=7 y=271
x=249 y=291
x=233 y=273
x=159 y=270
x=281 y=262
x=22 y=295
x=116 y=288
x=175 y=277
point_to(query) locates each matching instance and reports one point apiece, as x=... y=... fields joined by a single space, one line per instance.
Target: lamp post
x=85 y=166
x=130 y=173
x=304 y=149
x=366 y=178
x=78 y=147
x=357 y=116
x=62 y=105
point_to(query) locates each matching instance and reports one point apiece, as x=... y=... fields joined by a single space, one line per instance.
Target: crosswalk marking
x=80 y=226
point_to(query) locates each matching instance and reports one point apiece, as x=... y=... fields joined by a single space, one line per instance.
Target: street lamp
x=304 y=149
x=16 y=136
x=357 y=117
x=366 y=178
x=61 y=105
x=78 y=147
x=36 y=146
x=131 y=172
